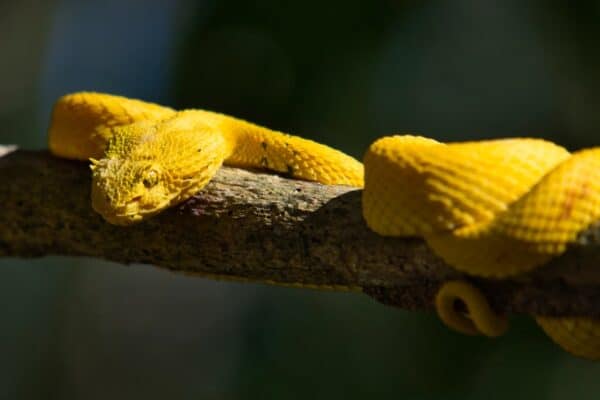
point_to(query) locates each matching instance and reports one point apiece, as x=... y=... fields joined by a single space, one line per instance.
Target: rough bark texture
x=260 y=227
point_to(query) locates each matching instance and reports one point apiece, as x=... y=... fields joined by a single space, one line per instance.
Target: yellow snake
x=493 y=209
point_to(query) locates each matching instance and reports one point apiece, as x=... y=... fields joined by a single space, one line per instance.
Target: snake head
x=151 y=165
x=125 y=191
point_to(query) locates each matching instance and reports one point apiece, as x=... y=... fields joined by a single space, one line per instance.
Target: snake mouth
x=124 y=214
x=133 y=211
x=123 y=219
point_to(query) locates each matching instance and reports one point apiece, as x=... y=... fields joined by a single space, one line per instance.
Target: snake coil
x=491 y=209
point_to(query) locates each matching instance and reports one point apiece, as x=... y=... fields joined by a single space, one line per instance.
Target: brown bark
x=260 y=227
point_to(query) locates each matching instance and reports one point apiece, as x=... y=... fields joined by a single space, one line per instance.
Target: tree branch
x=260 y=227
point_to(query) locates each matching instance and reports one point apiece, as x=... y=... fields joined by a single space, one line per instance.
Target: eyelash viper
x=493 y=209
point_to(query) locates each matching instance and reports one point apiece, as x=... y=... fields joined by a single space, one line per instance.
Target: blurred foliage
x=342 y=72
x=284 y=64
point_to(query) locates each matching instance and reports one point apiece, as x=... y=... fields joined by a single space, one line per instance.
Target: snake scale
x=493 y=209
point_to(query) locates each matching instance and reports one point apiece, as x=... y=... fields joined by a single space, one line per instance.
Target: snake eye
x=150 y=179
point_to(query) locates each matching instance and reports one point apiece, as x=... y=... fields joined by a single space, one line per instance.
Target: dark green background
x=341 y=72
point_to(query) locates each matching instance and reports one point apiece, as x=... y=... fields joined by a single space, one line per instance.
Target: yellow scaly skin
x=146 y=158
x=493 y=209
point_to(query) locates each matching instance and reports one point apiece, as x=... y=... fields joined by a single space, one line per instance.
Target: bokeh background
x=343 y=72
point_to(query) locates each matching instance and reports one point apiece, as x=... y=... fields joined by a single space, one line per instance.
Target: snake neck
x=253 y=146
x=246 y=144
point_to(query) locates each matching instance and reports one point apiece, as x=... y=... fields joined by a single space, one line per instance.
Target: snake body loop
x=493 y=209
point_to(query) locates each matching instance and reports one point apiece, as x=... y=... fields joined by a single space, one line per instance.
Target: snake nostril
x=136 y=199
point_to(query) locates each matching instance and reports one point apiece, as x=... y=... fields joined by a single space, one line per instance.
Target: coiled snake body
x=492 y=209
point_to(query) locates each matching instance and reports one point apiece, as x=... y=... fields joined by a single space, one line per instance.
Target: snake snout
x=132 y=207
x=125 y=214
x=135 y=199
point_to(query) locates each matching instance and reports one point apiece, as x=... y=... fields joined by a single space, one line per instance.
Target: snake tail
x=463 y=307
